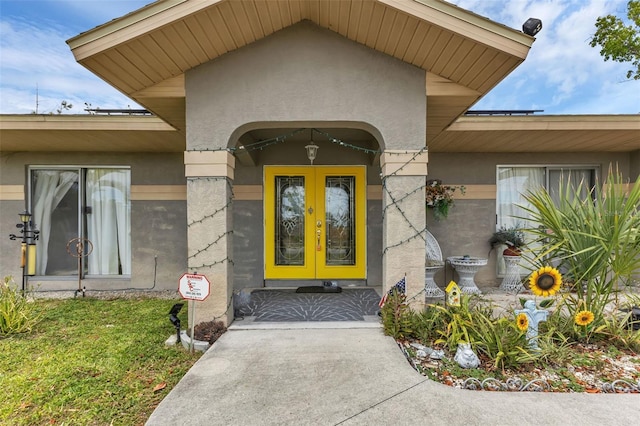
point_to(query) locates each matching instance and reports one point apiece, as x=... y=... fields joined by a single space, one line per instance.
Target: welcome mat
x=289 y=306
x=319 y=289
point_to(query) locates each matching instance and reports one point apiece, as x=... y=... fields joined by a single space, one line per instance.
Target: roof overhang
x=541 y=133
x=94 y=133
x=88 y=133
x=145 y=54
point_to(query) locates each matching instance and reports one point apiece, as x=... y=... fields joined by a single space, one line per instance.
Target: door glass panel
x=290 y=217
x=339 y=220
x=108 y=224
x=55 y=213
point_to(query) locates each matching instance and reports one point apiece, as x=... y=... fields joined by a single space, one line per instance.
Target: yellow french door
x=315 y=222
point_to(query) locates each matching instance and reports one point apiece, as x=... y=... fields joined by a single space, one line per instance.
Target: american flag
x=401 y=287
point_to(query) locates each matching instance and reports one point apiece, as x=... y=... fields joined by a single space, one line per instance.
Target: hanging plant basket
x=439 y=197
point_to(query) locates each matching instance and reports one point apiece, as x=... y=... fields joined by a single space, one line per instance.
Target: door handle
x=318 y=235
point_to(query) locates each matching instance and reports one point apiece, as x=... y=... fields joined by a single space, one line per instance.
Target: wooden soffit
x=145 y=54
x=88 y=133
x=541 y=133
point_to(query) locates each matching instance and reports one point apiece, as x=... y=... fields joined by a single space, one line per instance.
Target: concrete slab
x=353 y=376
x=269 y=377
x=249 y=323
x=436 y=404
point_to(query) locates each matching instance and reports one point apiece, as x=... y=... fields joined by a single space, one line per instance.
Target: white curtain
x=108 y=224
x=50 y=188
x=513 y=184
x=572 y=177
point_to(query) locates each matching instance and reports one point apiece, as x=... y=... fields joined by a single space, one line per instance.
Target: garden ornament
x=421 y=350
x=453 y=294
x=437 y=354
x=535 y=316
x=465 y=357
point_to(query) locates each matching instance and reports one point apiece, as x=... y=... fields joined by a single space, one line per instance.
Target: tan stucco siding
x=305 y=74
x=158 y=215
x=473 y=217
x=11 y=192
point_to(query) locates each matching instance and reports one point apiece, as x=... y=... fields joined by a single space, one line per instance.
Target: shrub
x=456 y=322
x=397 y=316
x=501 y=340
x=17 y=314
x=425 y=324
x=209 y=331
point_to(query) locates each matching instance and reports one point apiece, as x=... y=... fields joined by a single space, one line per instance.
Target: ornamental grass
x=593 y=236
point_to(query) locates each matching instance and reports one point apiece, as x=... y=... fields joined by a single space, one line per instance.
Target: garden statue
x=534 y=316
x=465 y=357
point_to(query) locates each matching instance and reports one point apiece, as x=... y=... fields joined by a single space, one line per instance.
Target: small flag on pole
x=400 y=287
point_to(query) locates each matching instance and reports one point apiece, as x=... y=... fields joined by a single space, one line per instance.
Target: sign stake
x=193 y=287
x=192 y=310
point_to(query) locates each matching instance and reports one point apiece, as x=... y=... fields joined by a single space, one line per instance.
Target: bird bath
x=467 y=267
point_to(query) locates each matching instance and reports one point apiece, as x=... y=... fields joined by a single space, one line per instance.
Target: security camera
x=532 y=26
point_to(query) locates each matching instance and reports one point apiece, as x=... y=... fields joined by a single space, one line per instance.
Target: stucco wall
x=305 y=73
x=303 y=76
x=472 y=220
x=158 y=223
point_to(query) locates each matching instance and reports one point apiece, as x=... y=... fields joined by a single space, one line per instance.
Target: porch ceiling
x=540 y=133
x=146 y=53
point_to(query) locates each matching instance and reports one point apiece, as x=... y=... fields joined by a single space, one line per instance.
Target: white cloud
x=562 y=73
x=34 y=57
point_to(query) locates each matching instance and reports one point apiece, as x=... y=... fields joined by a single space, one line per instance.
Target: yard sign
x=194 y=287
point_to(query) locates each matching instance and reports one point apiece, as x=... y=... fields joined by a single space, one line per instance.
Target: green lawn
x=91 y=361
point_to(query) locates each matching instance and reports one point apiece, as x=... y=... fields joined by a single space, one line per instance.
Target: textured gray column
x=210 y=230
x=404 y=220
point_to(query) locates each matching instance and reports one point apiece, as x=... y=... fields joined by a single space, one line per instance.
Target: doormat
x=288 y=306
x=319 y=289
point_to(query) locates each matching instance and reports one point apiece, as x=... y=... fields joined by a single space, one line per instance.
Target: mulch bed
x=591 y=369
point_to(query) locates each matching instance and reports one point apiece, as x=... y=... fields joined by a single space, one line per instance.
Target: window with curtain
x=513 y=182
x=76 y=202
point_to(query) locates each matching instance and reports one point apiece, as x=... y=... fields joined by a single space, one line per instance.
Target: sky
x=561 y=75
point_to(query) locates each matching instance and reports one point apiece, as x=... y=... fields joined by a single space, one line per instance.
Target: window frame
x=595 y=176
x=81 y=169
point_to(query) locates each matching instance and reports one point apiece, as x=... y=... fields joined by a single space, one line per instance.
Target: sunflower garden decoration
x=527 y=319
x=584 y=318
x=522 y=321
x=545 y=282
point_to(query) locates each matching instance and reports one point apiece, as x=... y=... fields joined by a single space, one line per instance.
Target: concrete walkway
x=353 y=376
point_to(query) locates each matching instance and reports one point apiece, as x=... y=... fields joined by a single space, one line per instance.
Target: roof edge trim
x=88 y=38
x=478 y=21
x=83 y=122
x=547 y=122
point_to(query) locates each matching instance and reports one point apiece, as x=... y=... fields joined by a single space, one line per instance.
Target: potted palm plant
x=512 y=237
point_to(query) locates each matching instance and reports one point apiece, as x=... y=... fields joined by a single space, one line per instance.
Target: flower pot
x=511 y=251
